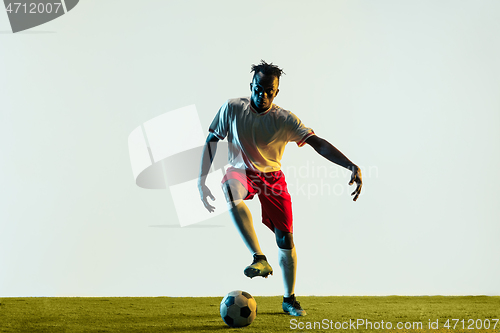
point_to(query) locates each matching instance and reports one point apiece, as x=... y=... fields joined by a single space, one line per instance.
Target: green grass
x=201 y=314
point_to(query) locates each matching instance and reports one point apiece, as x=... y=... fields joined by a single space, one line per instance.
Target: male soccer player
x=257 y=131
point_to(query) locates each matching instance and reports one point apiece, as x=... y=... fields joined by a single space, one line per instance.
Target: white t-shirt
x=260 y=137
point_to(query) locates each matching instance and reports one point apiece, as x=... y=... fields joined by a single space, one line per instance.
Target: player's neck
x=259 y=111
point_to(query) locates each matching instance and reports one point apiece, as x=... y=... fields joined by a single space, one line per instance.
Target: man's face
x=264 y=88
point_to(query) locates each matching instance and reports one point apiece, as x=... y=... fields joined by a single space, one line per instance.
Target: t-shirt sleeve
x=220 y=124
x=297 y=131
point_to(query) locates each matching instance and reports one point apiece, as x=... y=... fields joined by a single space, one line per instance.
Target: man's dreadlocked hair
x=267 y=69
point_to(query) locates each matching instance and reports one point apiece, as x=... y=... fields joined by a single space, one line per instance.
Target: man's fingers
x=208 y=193
x=357 y=192
x=205 y=194
x=354 y=178
x=208 y=206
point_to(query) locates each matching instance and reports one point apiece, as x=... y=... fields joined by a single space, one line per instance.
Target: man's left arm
x=328 y=151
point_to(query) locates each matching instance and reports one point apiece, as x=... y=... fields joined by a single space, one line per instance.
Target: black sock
x=289 y=299
x=260 y=257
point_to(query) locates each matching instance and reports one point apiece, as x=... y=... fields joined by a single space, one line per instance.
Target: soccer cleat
x=292 y=307
x=259 y=267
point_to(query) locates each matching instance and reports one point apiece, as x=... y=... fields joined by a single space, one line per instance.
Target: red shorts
x=273 y=195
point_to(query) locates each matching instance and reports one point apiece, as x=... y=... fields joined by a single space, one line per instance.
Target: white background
x=409 y=90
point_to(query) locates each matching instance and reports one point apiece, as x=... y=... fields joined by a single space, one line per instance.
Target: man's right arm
x=207 y=158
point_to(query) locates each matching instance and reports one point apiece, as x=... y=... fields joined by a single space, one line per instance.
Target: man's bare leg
x=240 y=214
x=242 y=218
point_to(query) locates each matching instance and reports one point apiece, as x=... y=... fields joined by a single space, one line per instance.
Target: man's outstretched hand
x=356 y=178
x=204 y=193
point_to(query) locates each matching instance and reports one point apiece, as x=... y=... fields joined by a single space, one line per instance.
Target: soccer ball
x=238 y=308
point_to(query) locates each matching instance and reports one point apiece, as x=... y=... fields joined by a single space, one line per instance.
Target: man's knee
x=284 y=239
x=234 y=191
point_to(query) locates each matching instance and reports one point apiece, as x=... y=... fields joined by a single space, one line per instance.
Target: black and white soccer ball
x=238 y=308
